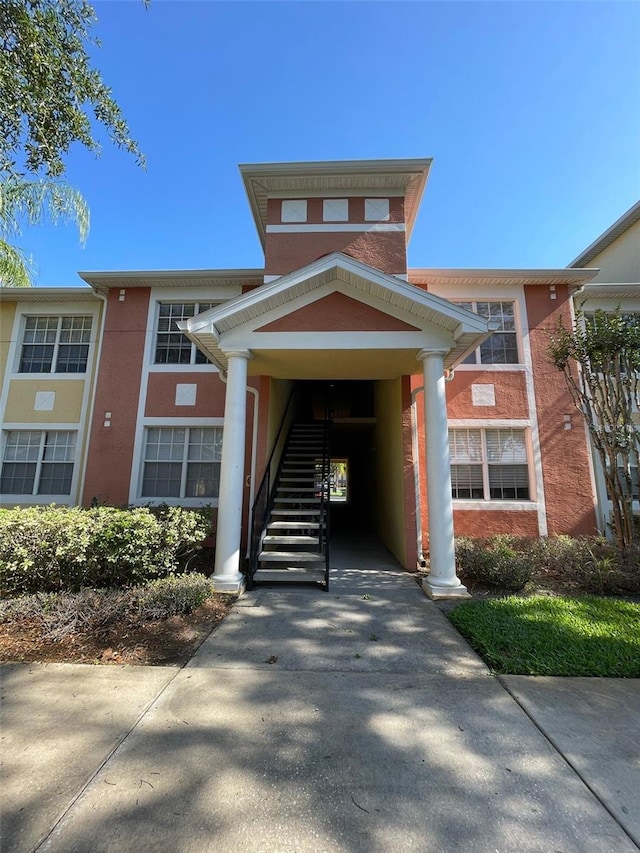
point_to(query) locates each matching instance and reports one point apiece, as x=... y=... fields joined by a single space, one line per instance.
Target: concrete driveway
x=355 y=720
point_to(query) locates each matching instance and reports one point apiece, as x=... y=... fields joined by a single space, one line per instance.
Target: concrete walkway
x=354 y=720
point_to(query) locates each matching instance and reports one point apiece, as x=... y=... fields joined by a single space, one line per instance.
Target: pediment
x=338 y=312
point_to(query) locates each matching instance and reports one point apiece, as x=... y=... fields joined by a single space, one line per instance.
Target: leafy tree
x=50 y=98
x=600 y=360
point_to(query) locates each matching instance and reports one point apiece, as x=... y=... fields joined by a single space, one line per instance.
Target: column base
x=438 y=593
x=229 y=586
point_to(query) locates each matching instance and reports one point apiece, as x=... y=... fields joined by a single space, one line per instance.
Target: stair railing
x=325 y=502
x=265 y=494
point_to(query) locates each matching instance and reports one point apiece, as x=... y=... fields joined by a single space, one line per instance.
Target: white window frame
x=486 y=499
x=478 y=363
x=34 y=497
x=59 y=316
x=180 y=365
x=174 y=423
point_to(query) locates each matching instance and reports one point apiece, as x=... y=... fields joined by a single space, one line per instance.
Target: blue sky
x=531 y=112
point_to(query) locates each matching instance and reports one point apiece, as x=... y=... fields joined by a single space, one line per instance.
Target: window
x=55 y=345
x=172 y=347
x=502 y=346
x=632 y=473
x=37 y=463
x=489 y=464
x=182 y=462
x=376 y=209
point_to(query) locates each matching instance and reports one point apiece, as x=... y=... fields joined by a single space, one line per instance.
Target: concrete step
x=303 y=501
x=298 y=539
x=289 y=575
x=290 y=557
x=296 y=513
x=297 y=489
x=293 y=525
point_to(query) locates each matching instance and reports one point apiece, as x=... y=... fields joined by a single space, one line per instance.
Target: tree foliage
x=50 y=98
x=600 y=360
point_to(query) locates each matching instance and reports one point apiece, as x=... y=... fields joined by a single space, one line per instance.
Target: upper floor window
x=55 y=345
x=489 y=464
x=182 y=462
x=502 y=346
x=172 y=347
x=37 y=463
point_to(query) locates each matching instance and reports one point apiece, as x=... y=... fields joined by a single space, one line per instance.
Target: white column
x=442 y=581
x=226 y=576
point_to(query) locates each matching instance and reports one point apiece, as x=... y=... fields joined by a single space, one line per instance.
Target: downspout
x=92 y=399
x=254 y=446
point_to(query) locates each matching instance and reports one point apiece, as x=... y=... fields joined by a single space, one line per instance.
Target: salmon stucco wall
x=480 y=523
x=564 y=452
x=510 y=390
x=383 y=250
x=161 y=395
x=117 y=390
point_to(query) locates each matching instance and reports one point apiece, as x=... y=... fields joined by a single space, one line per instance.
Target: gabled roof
x=335 y=177
x=208 y=328
x=610 y=235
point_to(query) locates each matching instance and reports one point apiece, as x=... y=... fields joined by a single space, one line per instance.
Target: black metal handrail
x=263 y=501
x=325 y=503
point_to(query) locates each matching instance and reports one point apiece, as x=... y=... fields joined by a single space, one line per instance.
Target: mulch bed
x=164 y=642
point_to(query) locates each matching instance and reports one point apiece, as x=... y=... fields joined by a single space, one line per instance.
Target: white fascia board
x=471 y=322
x=507 y=276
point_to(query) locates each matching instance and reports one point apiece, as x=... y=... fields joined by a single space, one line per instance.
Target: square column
x=227 y=576
x=442 y=581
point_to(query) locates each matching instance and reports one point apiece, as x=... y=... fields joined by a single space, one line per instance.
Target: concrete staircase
x=293 y=543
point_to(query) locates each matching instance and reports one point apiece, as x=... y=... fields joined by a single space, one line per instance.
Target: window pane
x=36 y=358
x=466 y=481
x=172 y=347
x=165 y=444
x=17 y=478
x=23 y=446
x=40 y=330
x=500 y=348
x=203 y=479
x=509 y=482
x=72 y=358
x=506 y=446
x=205 y=444
x=59 y=446
x=55 y=478
x=161 y=480
x=465 y=445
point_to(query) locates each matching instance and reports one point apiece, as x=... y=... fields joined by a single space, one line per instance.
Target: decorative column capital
x=431 y=353
x=238 y=353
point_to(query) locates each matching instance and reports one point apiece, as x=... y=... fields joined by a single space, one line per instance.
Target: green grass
x=544 y=635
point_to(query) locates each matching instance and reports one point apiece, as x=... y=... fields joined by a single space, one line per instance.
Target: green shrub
x=494 y=562
x=173 y=596
x=47 y=549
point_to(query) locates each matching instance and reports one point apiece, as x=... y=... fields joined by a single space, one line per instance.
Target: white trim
x=508 y=506
x=185 y=421
x=347 y=226
x=67 y=500
x=492 y=368
x=329 y=194
x=206 y=367
x=270 y=278
x=488 y=423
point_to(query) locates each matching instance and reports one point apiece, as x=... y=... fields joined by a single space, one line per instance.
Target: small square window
x=335 y=210
x=376 y=209
x=294 y=211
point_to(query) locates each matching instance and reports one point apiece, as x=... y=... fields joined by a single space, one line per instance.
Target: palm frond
x=15 y=269
x=25 y=203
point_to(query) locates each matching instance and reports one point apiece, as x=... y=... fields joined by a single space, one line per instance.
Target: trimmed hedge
x=591 y=564
x=48 y=549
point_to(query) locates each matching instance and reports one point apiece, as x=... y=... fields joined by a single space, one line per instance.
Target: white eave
x=173 y=278
x=46 y=294
x=205 y=330
x=611 y=290
x=335 y=177
x=608 y=237
x=491 y=277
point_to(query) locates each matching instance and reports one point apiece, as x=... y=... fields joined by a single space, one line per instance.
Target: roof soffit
x=263 y=180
